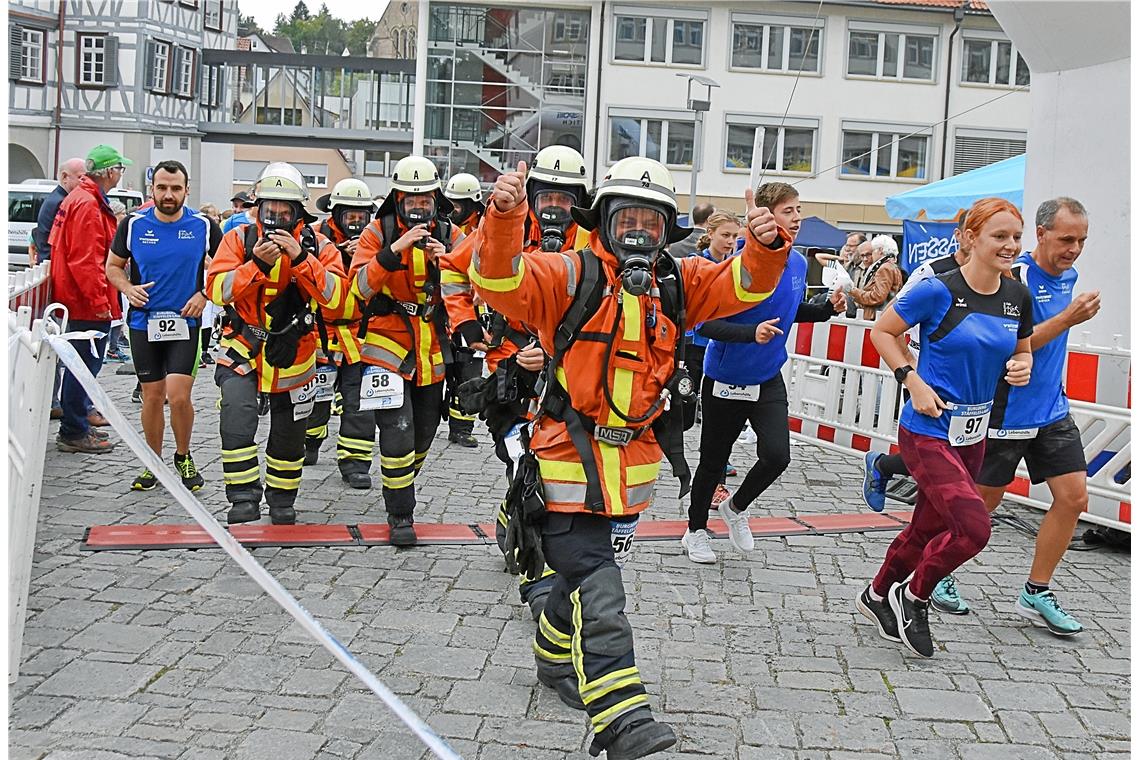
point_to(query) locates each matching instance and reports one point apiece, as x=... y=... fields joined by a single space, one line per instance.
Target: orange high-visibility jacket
x=460 y=299
x=250 y=286
x=387 y=341
x=342 y=322
x=539 y=287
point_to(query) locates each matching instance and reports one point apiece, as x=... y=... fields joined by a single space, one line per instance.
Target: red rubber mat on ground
x=147 y=537
x=901 y=516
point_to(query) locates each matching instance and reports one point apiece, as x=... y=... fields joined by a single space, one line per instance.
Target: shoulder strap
x=250 y=240
x=587 y=298
x=388 y=229
x=326 y=230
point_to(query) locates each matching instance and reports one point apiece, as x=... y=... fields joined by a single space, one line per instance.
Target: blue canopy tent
x=816 y=233
x=945 y=198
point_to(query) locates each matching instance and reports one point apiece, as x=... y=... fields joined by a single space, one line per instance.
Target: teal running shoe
x=1044 y=609
x=945 y=597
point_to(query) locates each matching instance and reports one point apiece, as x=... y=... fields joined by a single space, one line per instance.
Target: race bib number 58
x=381 y=389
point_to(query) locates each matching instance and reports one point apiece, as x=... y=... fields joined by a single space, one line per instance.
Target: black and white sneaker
x=879 y=613
x=912 y=618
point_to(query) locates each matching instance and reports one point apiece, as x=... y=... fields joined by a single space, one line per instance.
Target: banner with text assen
x=926 y=241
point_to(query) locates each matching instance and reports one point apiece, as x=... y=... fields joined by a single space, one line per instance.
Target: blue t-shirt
x=1043 y=401
x=171 y=254
x=236 y=220
x=966 y=337
x=755 y=363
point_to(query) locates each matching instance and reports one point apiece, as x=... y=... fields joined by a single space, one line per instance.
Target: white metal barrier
x=841 y=396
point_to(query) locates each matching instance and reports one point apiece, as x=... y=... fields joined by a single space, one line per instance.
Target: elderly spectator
x=70 y=172
x=846 y=256
x=210 y=210
x=697 y=220
x=81 y=239
x=882 y=281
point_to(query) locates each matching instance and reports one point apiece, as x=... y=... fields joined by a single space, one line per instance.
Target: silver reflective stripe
x=228 y=286
x=362 y=283
x=330 y=286
x=475 y=263
x=639 y=494
x=564 y=493
x=571 y=275
x=453 y=288
x=380 y=354
x=745 y=277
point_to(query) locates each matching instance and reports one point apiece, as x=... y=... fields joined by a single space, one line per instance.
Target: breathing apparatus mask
x=463 y=209
x=416 y=208
x=552 y=204
x=634 y=232
x=279 y=215
x=351 y=219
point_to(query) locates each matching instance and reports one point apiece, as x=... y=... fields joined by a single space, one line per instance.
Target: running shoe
x=136 y=395
x=719 y=496
x=729 y=471
x=1044 y=609
x=191 y=478
x=874 y=484
x=945 y=597
x=879 y=613
x=146 y=481
x=913 y=620
x=116 y=356
x=739 y=533
x=699 y=547
x=748 y=436
x=88 y=443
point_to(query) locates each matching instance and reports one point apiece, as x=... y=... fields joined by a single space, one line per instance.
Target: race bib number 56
x=381 y=389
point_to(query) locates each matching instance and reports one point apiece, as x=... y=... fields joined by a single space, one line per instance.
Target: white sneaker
x=739 y=532
x=699 y=546
x=747 y=436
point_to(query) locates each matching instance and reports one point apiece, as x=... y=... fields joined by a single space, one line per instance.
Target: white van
x=24 y=201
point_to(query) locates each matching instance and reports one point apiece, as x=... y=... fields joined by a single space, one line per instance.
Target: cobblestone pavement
x=176 y=654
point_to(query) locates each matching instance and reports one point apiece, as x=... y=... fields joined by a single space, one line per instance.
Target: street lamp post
x=698 y=106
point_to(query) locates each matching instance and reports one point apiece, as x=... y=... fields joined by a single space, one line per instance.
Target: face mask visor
x=277 y=215
x=351 y=221
x=416 y=208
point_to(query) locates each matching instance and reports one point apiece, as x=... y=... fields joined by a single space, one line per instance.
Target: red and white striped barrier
x=31 y=288
x=842 y=396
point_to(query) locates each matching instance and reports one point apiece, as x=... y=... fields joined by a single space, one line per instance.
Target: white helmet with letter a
x=415 y=174
x=464 y=185
x=281 y=181
x=559 y=165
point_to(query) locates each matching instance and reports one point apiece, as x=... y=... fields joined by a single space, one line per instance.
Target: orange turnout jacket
x=342 y=321
x=250 y=286
x=539 y=287
x=387 y=341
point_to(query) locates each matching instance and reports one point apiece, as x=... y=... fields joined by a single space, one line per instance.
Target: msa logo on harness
x=258 y=333
x=613 y=435
x=413 y=309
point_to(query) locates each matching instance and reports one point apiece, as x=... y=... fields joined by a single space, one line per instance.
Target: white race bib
x=513 y=443
x=968 y=423
x=302 y=410
x=381 y=389
x=736 y=392
x=305 y=393
x=326 y=382
x=1019 y=434
x=162 y=326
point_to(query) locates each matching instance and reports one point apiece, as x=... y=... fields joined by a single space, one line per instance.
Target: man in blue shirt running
x=1033 y=422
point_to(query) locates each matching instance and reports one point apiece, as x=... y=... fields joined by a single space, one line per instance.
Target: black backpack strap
x=669 y=428
x=250 y=240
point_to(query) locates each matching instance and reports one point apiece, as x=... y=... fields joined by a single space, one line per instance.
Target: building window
x=890 y=55
x=93 y=59
x=247 y=172
x=568 y=27
x=290 y=117
x=659 y=40
x=158 y=66
x=158 y=142
x=211 y=89
x=28 y=54
x=787 y=149
x=884 y=155
x=184 y=72
x=974 y=150
x=316 y=175
x=775 y=46
x=664 y=140
x=183 y=143
x=212 y=18
x=993 y=62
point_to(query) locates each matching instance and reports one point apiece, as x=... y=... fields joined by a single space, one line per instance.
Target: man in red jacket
x=80 y=241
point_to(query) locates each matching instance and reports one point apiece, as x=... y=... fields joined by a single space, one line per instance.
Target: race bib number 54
x=381 y=389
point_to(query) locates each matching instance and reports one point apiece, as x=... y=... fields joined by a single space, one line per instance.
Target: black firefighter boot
x=356 y=477
x=401 y=530
x=243 y=512
x=312 y=450
x=632 y=736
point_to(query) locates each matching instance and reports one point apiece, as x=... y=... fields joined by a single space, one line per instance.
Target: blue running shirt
x=1043 y=401
x=966 y=337
x=171 y=254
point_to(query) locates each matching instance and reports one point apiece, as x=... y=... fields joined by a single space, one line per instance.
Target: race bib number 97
x=381 y=389
x=968 y=423
x=162 y=326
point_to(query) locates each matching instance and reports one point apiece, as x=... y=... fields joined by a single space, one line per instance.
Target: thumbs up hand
x=759 y=220
x=510 y=189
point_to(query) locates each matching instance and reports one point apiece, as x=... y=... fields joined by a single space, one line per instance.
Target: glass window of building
x=31 y=55
x=676 y=38
x=775 y=44
x=992 y=61
x=785 y=149
x=974 y=149
x=890 y=54
x=92 y=59
x=669 y=141
x=884 y=155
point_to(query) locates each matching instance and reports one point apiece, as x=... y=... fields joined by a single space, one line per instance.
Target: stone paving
x=177 y=654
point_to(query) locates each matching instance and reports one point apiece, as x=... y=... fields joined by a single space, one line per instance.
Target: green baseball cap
x=104 y=157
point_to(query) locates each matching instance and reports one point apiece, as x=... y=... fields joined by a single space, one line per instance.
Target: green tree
x=248 y=25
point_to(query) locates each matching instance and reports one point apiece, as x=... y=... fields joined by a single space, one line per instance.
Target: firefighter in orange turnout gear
x=405 y=344
x=270 y=275
x=555 y=183
x=350 y=209
x=595 y=442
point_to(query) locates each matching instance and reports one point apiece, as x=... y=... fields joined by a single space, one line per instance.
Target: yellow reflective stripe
x=623 y=378
x=603 y=719
x=394 y=462
x=299 y=369
x=497 y=285
x=552 y=633
x=448 y=275
x=549 y=656
x=502 y=514
x=386 y=343
x=631 y=308
x=331 y=291
x=551 y=469
x=611 y=474
x=237 y=455
x=636 y=474
x=289 y=484
x=738 y=275
x=592 y=685
x=245 y=476
x=425 y=357
x=421 y=456
x=284 y=464
x=576 y=637
x=402 y=481
x=318 y=432
x=349 y=306
x=266 y=376
x=419 y=265
x=594 y=696
x=360 y=444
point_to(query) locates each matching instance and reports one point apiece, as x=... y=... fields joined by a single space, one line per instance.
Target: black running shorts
x=1056 y=450
x=155 y=360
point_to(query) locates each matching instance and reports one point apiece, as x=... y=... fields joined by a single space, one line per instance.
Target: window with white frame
x=993 y=62
x=316 y=175
x=210 y=91
x=213 y=15
x=184 y=81
x=31 y=55
x=773 y=43
x=92 y=59
x=882 y=152
x=568 y=27
x=158 y=66
x=674 y=37
x=247 y=172
x=974 y=149
x=890 y=53
x=787 y=148
x=669 y=141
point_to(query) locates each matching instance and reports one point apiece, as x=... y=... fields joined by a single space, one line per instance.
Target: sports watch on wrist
x=902 y=372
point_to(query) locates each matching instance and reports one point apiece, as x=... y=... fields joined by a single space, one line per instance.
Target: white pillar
x=420 y=113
